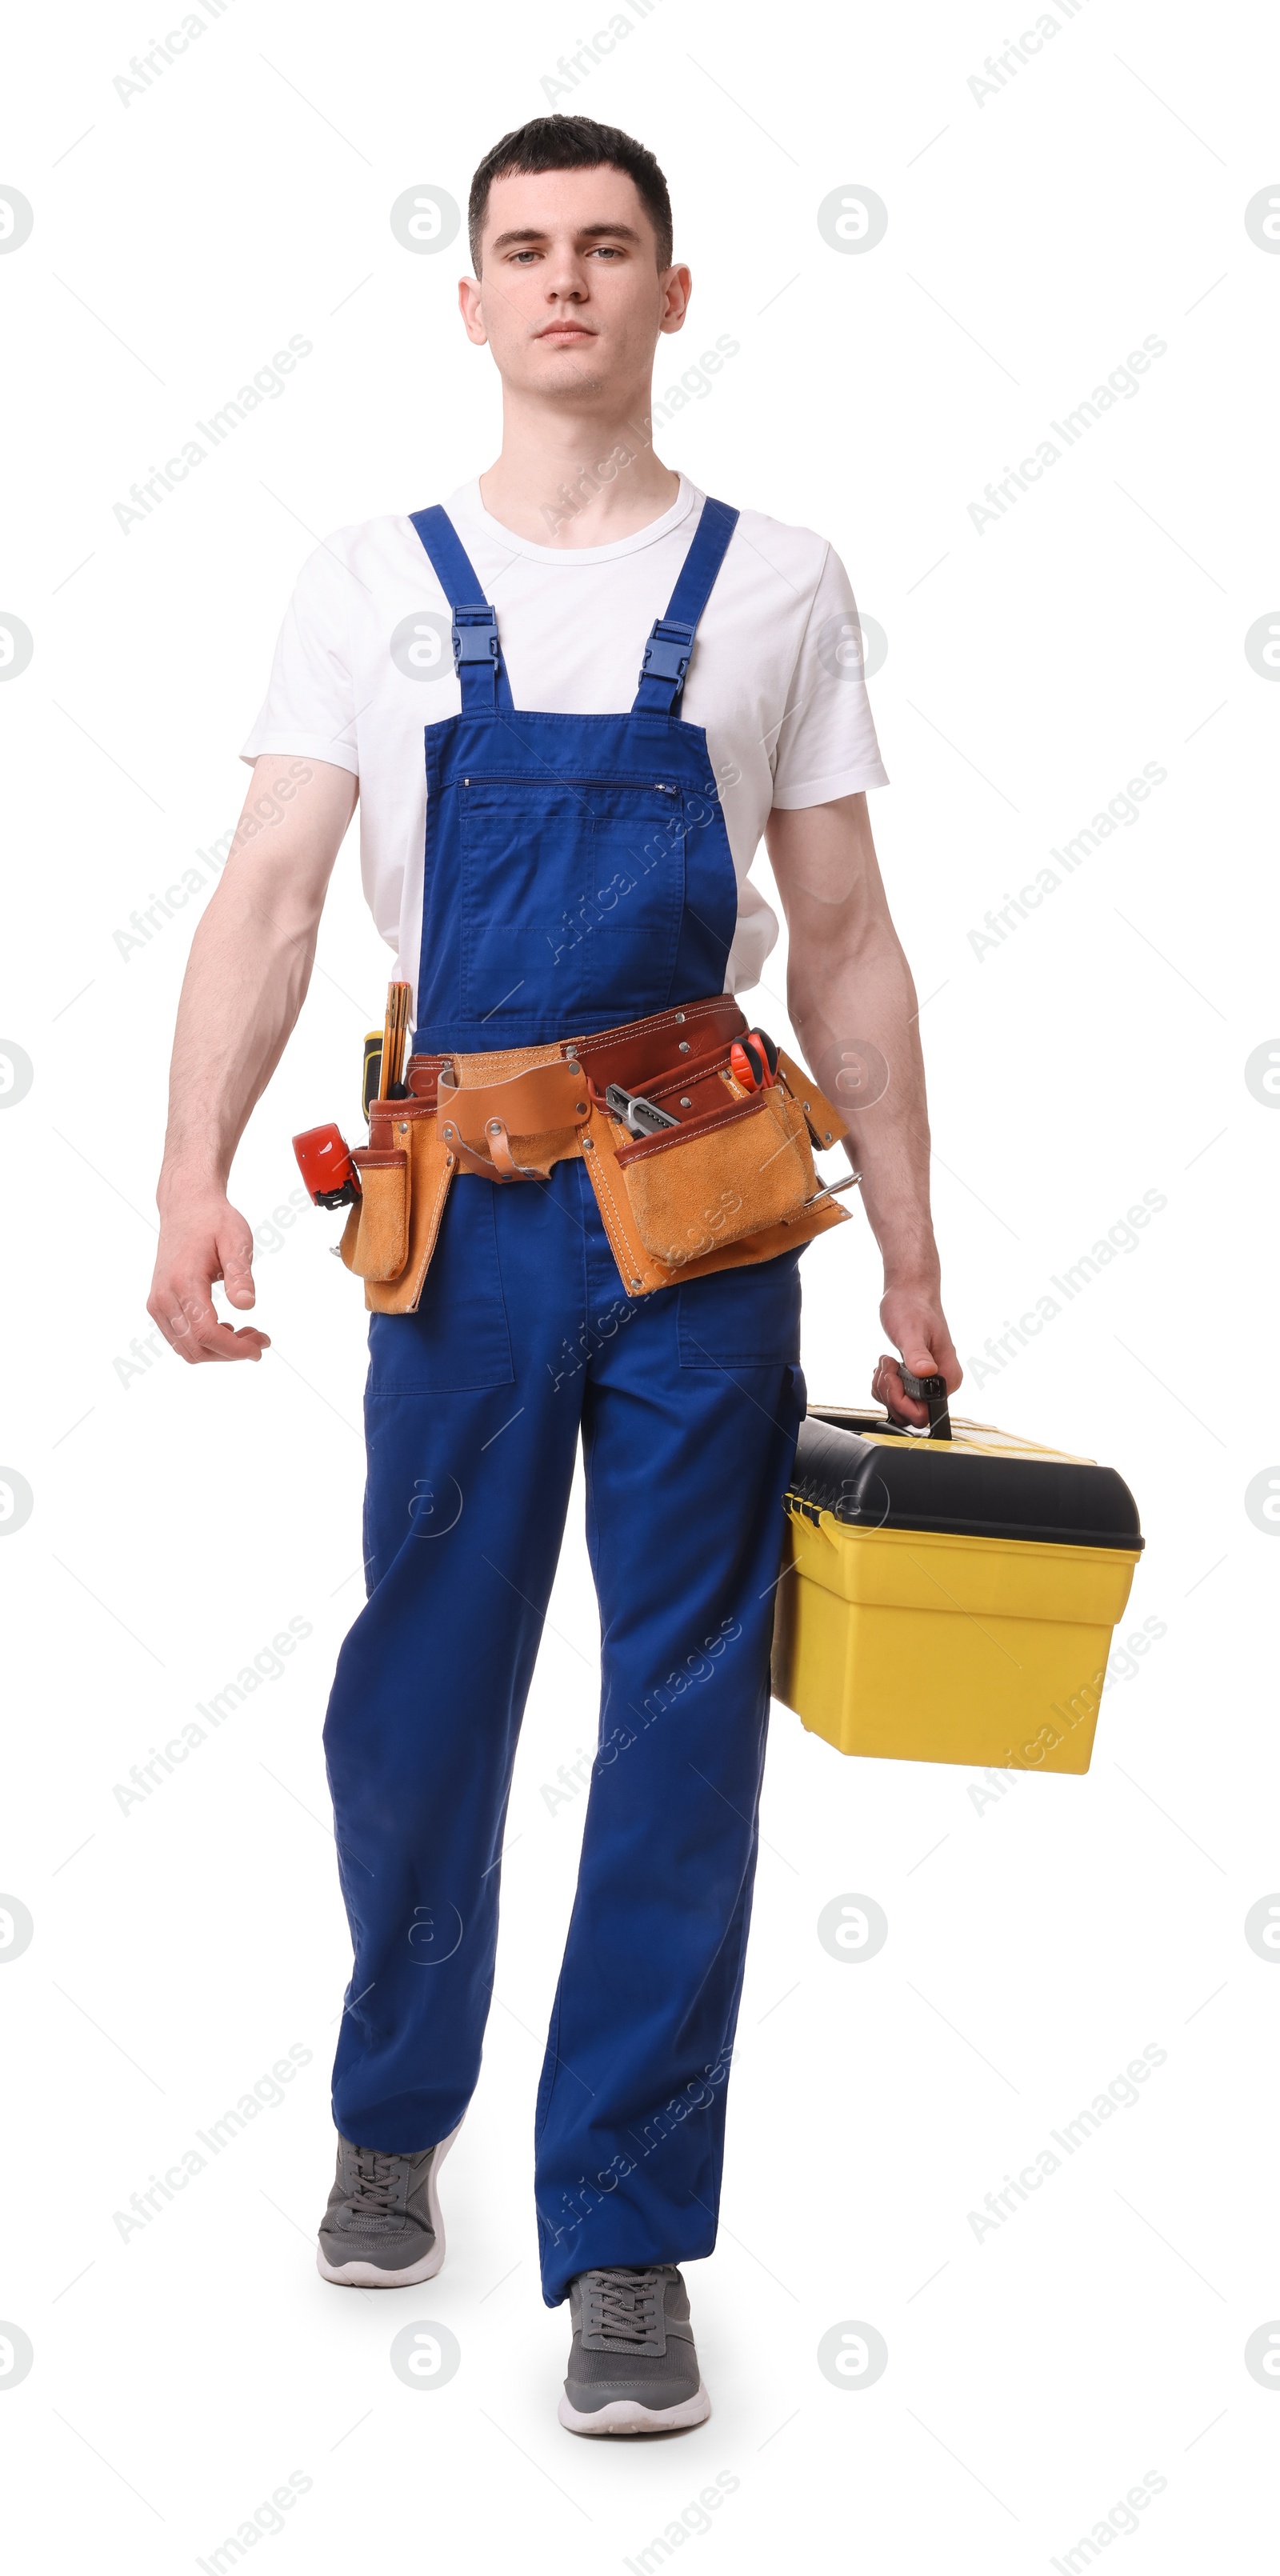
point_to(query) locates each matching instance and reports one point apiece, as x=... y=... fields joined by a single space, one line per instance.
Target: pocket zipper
x=540 y=778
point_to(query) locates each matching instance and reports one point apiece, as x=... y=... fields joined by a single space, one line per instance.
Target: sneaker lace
x=623 y=2303
x=373 y=2181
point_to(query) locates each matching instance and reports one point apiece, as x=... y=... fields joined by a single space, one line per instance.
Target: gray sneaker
x=383 y=2227
x=632 y=2363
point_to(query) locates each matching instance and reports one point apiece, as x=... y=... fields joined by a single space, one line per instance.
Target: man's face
x=570 y=299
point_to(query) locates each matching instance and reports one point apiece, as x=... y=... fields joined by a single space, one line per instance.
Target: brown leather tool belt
x=731 y=1183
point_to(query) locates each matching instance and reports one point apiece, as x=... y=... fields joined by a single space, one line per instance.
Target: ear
x=675 y=299
x=469 y=306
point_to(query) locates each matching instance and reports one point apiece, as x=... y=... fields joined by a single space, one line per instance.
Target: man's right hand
x=204 y=1238
x=245 y=983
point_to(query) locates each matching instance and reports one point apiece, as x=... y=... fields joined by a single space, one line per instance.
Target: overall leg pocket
x=742 y=1318
x=457 y=1340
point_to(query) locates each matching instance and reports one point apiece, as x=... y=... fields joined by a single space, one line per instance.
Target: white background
x=180 y=1519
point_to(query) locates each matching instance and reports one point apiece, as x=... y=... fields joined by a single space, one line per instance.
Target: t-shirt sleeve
x=310 y=706
x=827 y=743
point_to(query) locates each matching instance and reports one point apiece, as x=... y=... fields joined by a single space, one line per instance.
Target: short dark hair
x=571 y=143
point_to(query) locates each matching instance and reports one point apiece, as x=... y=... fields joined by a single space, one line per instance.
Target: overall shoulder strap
x=666 y=654
x=477 y=660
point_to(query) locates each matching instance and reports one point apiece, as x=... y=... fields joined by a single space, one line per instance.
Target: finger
x=193 y=1328
x=219 y=1342
x=949 y=1362
x=183 y=1309
x=893 y=1394
x=243 y=1342
x=888 y=1389
x=237 y=1281
x=235 y=1256
x=173 y=1309
x=946 y=1357
x=212 y=1339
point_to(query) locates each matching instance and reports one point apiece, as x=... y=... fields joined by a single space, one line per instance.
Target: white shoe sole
x=627 y=2415
x=373 y=2276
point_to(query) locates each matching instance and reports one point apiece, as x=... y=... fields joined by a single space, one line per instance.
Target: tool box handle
x=933 y=1392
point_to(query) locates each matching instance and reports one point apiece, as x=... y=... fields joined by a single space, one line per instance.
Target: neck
x=580 y=478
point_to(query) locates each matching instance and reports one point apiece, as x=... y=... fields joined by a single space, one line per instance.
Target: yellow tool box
x=949 y=1598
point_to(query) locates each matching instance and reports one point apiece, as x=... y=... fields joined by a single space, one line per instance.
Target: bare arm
x=853 y=1007
x=246 y=981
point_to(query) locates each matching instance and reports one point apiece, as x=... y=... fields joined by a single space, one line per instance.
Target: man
x=587 y=842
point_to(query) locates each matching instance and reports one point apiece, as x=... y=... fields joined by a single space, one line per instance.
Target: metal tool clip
x=643 y=1117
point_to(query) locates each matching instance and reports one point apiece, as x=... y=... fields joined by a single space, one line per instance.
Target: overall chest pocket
x=572 y=896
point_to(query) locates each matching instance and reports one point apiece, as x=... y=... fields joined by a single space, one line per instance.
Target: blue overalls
x=578 y=874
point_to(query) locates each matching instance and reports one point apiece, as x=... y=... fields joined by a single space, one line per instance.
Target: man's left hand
x=913 y=1318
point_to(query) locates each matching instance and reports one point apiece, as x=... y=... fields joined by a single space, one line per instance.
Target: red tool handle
x=754 y=1061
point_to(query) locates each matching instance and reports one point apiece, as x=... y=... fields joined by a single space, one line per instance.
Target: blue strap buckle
x=475 y=634
x=666 y=654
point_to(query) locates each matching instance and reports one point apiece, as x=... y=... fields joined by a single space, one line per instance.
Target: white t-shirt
x=364 y=662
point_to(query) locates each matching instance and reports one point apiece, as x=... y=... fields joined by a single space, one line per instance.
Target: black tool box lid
x=982 y=1483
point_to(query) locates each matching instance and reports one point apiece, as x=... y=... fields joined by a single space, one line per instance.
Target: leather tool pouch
x=405 y=1172
x=514 y=1127
x=379 y=1221
x=730 y=1173
x=734 y=1184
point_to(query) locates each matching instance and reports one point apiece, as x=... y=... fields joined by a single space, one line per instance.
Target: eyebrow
x=585 y=232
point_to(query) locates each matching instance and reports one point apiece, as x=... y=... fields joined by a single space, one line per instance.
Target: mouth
x=565 y=332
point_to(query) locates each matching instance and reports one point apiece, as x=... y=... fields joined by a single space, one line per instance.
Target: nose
x=567 y=281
